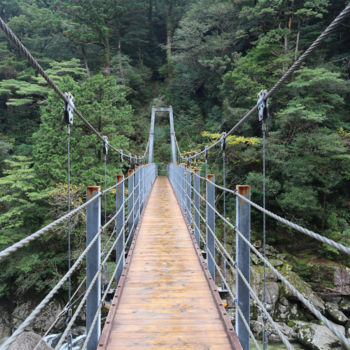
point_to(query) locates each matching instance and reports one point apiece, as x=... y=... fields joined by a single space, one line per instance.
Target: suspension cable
x=265 y=336
x=332 y=26
x=289 y=223
x=69 y=313
x=35 y=64
x=223 y=149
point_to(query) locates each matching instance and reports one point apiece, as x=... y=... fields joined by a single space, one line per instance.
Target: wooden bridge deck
x=165 y=300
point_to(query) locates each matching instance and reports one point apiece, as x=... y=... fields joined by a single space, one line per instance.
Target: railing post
x=210 y=227
x=188 y=194
x=93 y=261
x=119 y=226
x=243 y=260
x=137 y=196
x=197 y=188
x=143 y=186
x=183 y=189
x=131 y=203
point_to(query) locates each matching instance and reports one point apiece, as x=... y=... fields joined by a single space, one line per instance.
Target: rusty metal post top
x=130 y=172
x=92 y=189
x=120 y=177
x=196 y=170
x=210 y=176
x=137 y=166
x=243 y=189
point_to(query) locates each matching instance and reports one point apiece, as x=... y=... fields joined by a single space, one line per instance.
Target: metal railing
x=126 y=218
x=186 y=183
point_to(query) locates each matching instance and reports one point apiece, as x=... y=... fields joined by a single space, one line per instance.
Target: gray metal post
x=119 y=226
x=131 y=203
x=183 y=187
x=210 y=227
x=141 y=186
x=151 y=136
x=137 y=196
x=172 y=135
x=243 y=260
x=93 y=261
x=144 y=193
x=196 y=185
x=188 y=194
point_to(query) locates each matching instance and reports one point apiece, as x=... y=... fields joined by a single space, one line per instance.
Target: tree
x=104 y=104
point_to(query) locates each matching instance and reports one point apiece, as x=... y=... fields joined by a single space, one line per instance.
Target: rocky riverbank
x=295 y=321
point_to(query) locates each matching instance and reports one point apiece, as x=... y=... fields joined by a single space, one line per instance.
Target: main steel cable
x=284 y=280
x=69 y=326
x=299 y=295
x=291 y=224
x=90 y=287
x=9 y=250
x=35 y=64
x=69 y=342
x=53 y=291
x=223 y=278
x=334 y=24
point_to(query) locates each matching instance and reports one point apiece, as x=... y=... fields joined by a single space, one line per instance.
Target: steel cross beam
x=172 y=133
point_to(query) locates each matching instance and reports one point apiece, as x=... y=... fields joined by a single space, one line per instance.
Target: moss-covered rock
x=317 y=337
x=335 y=314
x=302 y=287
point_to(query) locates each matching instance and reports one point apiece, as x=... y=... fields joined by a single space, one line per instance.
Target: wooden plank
x=166 y=302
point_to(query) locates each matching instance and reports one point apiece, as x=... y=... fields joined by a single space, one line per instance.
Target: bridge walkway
x=166 y=300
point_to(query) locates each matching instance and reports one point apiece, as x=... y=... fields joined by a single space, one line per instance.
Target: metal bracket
x=197 y=159
x=223 y=142
x=121 y=155
x=68 y=108
x=105 y=145
x=263 y=105
x=206 y=152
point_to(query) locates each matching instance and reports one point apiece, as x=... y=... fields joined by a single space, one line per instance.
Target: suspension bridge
x=170 y=267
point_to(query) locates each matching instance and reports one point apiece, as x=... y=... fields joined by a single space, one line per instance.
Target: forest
x=208 y=59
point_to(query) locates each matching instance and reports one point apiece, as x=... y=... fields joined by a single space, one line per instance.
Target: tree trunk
x=169 y=40
x=150 y=17
x=106 y=56
x=85 y=61
x=297 y=42
x=120 y=63
x=285 y=66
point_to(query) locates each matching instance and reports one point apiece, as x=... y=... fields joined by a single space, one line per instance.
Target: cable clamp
x=223 y=141
x=68 y=108
x=105 y=145
x=263 y=106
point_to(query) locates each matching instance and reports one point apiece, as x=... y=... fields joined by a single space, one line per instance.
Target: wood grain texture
x=166 y=302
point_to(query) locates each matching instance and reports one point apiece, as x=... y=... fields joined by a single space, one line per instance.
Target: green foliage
x=104 y=104
x=207 y=58
x=20 y=200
